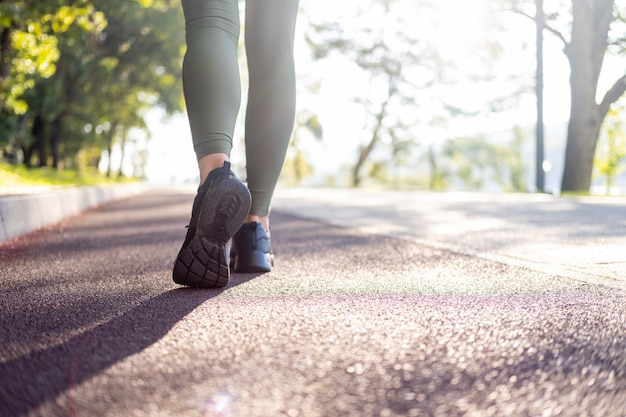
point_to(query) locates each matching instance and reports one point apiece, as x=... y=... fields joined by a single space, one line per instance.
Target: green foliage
x=80 y=76
x=471 y=157
x=16 y=176
x=439 y=177
x=478 y=163
x=386 y=53
x=513 y=161
x=32 y=53
x=297 y=165
x=406 y=73
x=610 y=156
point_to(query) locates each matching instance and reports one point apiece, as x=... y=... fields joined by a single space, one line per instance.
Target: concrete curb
x=20 y=214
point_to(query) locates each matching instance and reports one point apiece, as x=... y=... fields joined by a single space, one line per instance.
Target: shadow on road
x=31 y=380
x=103 y=271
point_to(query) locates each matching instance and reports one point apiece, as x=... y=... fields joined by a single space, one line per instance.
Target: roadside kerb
x=20 y=214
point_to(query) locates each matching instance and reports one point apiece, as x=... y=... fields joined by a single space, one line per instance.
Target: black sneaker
x=219 y=210
x=251 y=249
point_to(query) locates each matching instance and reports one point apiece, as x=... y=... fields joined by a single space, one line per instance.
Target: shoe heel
x=225 y=213
x=253 y=261
x=201 y=264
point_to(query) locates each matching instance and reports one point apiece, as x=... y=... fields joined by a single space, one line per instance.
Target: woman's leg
x=269 y=37
x=211 y=78
x=213 y=93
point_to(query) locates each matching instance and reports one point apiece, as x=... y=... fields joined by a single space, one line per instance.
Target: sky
x=171 y=155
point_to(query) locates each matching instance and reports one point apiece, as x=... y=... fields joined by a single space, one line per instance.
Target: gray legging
x=212 y=85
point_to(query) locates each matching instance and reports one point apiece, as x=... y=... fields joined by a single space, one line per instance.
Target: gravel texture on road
x=347 y=324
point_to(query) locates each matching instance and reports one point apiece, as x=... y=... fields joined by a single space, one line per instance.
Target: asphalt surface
x=349 y=323
x=577 y=237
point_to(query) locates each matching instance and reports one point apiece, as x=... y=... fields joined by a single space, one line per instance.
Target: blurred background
x=485 y=95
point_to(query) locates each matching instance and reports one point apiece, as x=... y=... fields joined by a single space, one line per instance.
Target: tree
x=385 y=52
x=593 y=27
x=585 y=52
x=297 y=167
x=477 y=163
x=29 y=33
x=28 y=43
x=512 y=157
x=611 y=153
x=410 y=71
x=132 y=67
x=125 y=63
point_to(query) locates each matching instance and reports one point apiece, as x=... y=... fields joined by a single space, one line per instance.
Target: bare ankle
x=208 y=163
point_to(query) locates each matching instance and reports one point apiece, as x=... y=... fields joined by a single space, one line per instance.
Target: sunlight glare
x=218 y=405
x=460 y=22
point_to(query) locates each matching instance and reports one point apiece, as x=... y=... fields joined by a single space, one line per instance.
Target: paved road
x=581 y=238
x=348 y=324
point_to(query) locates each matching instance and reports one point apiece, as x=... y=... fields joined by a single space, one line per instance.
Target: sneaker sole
x=204 y=263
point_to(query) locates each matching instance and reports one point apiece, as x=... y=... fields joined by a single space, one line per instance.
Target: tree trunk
x=123 y=139
x=435 y=174
x=367 y=150
x=590 y=25
x=5 y=60
x=28 y=151
x=39 y=136
x=582 y=136
x=56 y=134
x=108 y=138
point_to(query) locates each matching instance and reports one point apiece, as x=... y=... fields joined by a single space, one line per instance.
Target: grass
x=14 y=177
